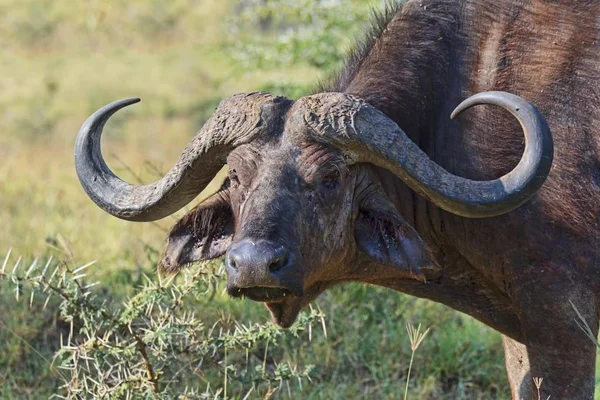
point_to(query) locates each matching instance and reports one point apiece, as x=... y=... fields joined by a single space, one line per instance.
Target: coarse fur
x=515 y=272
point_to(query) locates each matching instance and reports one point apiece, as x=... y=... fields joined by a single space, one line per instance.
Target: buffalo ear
x=382 y=234
x=202 y=234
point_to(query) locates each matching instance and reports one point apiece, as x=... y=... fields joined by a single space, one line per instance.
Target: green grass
x=62 y=60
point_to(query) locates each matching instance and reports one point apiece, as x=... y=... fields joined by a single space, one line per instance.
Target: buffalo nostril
x=231 y=261
x=250 y=260
x=278 y=263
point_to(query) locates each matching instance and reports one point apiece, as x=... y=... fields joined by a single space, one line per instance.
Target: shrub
x=157 y=344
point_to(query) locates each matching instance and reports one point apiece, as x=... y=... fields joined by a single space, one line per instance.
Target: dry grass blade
x=416 y=338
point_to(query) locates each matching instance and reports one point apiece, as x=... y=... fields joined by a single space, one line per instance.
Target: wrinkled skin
x=303 y=196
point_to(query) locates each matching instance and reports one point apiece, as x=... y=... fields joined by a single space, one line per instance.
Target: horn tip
x=131 y=100
x=118 y=104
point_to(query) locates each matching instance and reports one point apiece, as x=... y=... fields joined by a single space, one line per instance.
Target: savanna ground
x=61 y=60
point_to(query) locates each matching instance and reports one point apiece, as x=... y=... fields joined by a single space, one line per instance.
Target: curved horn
x=236 y=121
x=367 y=135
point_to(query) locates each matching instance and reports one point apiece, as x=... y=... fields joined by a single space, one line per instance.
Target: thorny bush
x=155 y=345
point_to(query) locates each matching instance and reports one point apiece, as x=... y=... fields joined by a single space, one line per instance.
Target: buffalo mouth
x=283 y=304
x=262 y=294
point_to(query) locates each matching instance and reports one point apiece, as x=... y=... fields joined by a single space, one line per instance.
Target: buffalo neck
x=422 y=93
x=419 y=95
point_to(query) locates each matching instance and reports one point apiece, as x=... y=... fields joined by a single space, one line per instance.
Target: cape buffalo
x=370 y=180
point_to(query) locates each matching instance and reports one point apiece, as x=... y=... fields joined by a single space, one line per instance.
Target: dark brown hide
x=298 y=215
x=515 y=272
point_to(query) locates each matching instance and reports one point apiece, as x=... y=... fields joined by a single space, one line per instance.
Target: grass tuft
x=416 y=337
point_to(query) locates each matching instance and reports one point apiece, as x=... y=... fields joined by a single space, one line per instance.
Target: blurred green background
x=61 y=60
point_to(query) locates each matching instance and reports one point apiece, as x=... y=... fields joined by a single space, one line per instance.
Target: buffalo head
x=303 y=208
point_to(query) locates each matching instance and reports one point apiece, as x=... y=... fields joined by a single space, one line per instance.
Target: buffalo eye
x=331 y=181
